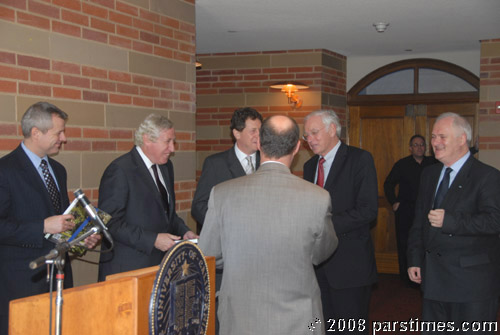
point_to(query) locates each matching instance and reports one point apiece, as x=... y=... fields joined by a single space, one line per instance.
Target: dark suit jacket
x=352 y=183
x=459 y=262
x=129 y=194
x=217 y=168
x=24 y=204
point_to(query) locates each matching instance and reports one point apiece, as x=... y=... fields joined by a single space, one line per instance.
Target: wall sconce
x=198 y=65
x=290 y=87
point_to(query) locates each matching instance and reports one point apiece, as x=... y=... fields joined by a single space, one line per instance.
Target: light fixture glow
x=290 y=88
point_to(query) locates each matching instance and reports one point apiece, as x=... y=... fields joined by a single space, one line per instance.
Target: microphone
x=60 y=249
x=93 y=213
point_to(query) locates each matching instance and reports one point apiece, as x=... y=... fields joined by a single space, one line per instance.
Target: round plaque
x=180 y=298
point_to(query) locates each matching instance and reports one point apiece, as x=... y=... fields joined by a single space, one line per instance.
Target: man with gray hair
x=348 y=173
x=137 y=190
x=454 y=244
x=33 y=195
x=266 y=230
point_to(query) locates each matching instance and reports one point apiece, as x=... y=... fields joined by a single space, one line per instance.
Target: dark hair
x=417 y=136
x=39 y=115
x=276 y=143
x=241 y=115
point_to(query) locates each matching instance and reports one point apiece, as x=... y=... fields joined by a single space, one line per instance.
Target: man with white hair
x=137 y=190
x=454 y=244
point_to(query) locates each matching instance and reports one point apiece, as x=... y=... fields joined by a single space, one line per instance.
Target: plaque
x=180 y=298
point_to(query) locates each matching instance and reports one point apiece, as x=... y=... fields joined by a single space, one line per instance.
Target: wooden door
x=385 y=132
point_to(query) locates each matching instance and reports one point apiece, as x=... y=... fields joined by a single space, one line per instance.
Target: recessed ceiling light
x=381 y=26
x=232 y=31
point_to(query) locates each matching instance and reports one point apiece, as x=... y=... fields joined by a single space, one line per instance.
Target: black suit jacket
x=459 y=262
x=129 y=194
x=217 y=168
x=24 y=204
x=352 y=183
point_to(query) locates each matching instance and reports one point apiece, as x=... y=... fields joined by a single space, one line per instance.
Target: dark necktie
x=443 y=188
x=54 y=194
x=163 y=191
x=320 y=181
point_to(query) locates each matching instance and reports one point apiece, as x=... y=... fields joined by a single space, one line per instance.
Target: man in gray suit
x=267 y=230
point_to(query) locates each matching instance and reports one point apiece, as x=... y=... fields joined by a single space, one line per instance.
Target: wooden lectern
x=120 y=306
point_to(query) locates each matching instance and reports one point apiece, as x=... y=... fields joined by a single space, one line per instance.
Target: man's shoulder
x=220 y=156
x=13 y=158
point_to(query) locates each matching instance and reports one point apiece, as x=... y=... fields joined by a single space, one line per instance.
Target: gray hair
x=460 y=124
x=328 y=116
x=152 y=125
x=39 y=115
x=276 y=142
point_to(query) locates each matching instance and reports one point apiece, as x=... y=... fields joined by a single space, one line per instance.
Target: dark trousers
x=404 y=219
x=345 y=311
x=459 y=318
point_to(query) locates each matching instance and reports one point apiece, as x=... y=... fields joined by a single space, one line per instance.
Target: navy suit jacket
x=459 y=262
x=352 y=183
x=217 y=168
x=24 y=204
x=129 y=194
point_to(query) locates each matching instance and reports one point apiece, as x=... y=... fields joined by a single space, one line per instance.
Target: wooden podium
x=120 y=306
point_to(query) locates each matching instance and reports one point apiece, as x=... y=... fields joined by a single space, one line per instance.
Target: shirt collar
x=33 y=157
x=241 y=155
x=145 y=158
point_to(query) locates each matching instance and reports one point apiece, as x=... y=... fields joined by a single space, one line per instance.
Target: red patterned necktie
x=321 y=173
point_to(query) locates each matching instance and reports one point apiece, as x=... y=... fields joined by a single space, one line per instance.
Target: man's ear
x=236 y=134
x=297 y=148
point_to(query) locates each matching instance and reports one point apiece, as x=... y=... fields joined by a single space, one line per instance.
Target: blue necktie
x=443 y=188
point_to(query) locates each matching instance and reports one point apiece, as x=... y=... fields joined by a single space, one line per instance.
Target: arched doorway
x=390 y=105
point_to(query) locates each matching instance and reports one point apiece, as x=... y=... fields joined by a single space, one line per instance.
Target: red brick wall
x=118 y=25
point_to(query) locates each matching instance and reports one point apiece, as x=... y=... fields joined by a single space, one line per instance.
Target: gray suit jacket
x=267 y=230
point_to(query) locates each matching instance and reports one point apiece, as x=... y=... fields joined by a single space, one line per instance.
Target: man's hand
x=395 y=206
x=92 y=240
x=189 y=235
x=414 y=274
x=165 y=241
x=58 y=223
x=436 y=217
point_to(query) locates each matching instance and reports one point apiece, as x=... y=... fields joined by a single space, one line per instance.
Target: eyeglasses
x=313 y=133
x=416 y=145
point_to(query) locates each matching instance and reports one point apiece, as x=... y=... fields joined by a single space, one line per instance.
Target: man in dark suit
x=33 y=194
x=232 y=163
x=454 y=244
x=137 y=190
x=406 y=173
x=348 y=173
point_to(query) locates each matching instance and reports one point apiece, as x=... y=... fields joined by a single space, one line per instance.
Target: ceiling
x=345 y=26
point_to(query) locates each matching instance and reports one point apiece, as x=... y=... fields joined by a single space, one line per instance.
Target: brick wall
x=108 y=64
x=489 y=119
x=232 y=80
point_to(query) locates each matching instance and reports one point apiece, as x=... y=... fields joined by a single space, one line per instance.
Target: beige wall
x=107 y=64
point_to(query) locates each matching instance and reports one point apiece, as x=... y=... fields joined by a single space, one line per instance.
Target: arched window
x=416 y=81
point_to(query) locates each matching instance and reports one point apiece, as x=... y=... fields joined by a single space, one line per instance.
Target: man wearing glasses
x=406 y=173
x=349 y=175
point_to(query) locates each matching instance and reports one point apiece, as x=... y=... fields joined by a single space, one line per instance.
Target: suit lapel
x=170 y=188
x=31 y=174
x=144 y=174
x=336 y=167
x=234 y=164
x=457 y=188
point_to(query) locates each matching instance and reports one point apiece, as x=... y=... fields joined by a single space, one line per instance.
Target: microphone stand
x=57 y=256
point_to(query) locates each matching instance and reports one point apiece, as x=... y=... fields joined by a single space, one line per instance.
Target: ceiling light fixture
x=381 y=26
x=290 y=87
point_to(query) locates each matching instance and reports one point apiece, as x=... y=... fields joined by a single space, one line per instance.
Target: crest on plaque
x=180 y=298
